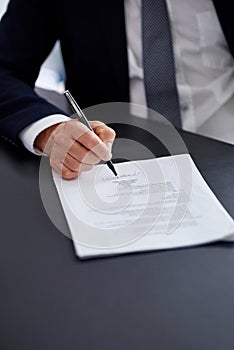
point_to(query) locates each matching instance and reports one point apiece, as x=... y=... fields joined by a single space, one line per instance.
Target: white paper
x=155 y=204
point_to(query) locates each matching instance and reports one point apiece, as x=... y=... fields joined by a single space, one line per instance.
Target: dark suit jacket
x=93 y=42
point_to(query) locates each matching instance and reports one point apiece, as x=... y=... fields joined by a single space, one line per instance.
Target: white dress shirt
x=204 y=70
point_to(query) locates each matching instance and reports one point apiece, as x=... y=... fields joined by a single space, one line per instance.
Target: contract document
x=154 y=204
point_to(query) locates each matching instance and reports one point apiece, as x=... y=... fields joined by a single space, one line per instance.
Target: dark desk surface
x=180 y=299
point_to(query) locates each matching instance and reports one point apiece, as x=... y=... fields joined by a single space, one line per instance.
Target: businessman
x=174 y=56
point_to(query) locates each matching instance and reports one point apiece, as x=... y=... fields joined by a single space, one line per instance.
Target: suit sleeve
x=28 y=32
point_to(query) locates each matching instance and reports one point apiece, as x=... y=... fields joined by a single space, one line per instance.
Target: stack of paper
x=155 y=204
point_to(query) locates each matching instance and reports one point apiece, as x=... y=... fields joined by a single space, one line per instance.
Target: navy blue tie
x=158 y=60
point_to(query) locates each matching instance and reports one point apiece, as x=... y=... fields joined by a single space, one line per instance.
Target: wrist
x=42 y=141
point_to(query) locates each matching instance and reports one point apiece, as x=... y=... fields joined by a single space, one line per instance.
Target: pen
x=84 y=121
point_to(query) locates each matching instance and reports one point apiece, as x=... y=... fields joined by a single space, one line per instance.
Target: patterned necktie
x=158 y=60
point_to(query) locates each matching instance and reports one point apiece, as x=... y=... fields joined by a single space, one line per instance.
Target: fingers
x=70 y=165
x=82 y=154
x=75 y=149
x=62 y=170
x=80 y=133
x=103 y=131
x=106 y=134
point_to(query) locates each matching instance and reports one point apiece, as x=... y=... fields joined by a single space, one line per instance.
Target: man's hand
x=73 y=148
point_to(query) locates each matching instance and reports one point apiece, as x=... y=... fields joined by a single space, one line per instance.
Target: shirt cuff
x=30 y=133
